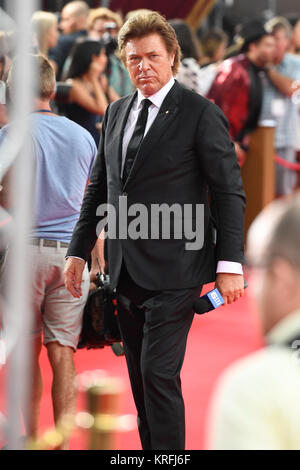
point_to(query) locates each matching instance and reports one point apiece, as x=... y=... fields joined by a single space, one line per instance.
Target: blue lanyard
x=43 y=111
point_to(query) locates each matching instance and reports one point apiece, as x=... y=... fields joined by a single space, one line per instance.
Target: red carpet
x=216 y=339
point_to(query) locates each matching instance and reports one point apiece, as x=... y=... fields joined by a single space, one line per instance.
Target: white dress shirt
x=157 y=100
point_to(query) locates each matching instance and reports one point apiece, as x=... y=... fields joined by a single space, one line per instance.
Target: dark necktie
x=136 y=139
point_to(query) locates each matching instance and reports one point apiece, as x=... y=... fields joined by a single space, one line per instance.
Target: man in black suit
x=163 y=147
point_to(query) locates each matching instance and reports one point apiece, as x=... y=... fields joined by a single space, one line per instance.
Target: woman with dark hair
x=90 y=94
x=188 y=42
x=191 y=74
x=189 y=70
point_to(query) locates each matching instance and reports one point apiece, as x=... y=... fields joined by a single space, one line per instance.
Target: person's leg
x=154 y=327
x=62 y=321
x=168 y=318
x=131 y=321
x=31 y=413
x=64 y=388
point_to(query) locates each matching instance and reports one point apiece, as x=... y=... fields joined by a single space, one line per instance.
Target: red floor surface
x=216 y=339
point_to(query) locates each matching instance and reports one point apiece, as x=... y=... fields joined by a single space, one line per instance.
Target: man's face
x=103 y=26
x=265 y=296
x=276 y=290
x=149 y=63
x=67 y=21
x=282 y=43
x=265 y=50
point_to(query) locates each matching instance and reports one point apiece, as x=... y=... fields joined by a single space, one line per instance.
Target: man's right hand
x=73 y=276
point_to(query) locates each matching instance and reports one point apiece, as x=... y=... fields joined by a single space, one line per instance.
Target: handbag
x=99 y=325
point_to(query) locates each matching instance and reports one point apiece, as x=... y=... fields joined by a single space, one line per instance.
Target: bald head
x=273 y=249
x=74 y=17
x=276 y=232
x=261 y=231
x=285 y=241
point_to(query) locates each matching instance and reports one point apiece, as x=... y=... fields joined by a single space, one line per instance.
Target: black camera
x=100 y=327
x=110 y=42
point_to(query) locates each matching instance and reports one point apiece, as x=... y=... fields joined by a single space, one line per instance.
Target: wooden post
x=103 y=401
x=258 y=171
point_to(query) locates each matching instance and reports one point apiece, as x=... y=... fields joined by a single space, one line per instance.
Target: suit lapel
x=169 y=109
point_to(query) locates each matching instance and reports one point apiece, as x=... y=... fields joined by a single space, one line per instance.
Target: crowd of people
x=82 y=76
x=261 y=65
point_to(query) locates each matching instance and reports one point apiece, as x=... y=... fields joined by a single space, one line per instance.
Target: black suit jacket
x=186 y=157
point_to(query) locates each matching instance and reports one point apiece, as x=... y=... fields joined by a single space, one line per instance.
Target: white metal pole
x=18 y=313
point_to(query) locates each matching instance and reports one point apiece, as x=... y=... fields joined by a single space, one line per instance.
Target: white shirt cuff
x=229 y=267
x=76 y=257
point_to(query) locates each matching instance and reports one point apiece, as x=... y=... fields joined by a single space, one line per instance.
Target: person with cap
x=237 y=88
x=256 y=402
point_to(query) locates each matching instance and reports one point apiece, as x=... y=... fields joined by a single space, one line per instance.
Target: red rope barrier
x=289 y=165
x=278 y=159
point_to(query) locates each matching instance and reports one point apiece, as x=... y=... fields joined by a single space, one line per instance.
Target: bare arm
x=287 y=86
x=113 y=95
x=79 y=94
x=110 y=92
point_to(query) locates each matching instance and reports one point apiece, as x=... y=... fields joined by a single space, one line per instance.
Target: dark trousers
x=154 y=327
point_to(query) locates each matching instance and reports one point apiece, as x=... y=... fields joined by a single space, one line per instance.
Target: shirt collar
x=158 y=97
x=285 y=329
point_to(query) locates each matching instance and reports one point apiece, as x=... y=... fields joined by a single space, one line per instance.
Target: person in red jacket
x=237 y=88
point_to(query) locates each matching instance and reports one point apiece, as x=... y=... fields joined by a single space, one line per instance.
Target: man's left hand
x=231 y=286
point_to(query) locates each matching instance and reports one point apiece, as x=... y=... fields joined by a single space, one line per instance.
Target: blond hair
x=41 y=22
x=278 y=23
x=45 y=83
x=145 y=23
x=104 y=14
x=134 y=12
